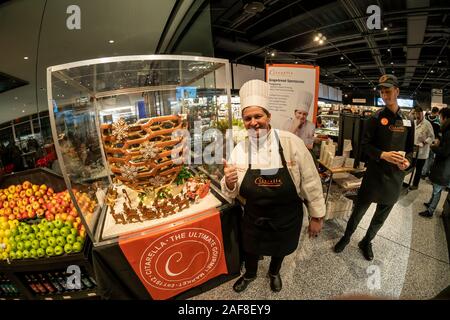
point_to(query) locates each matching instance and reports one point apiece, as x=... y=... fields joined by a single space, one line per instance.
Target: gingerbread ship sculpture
x=144 y=154
x=147 y=162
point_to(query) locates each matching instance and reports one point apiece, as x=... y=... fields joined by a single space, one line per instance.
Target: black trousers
x=380 y=215
x=251 y=265
x=418 y=173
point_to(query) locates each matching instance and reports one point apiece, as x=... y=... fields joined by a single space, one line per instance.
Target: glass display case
x=136 y=141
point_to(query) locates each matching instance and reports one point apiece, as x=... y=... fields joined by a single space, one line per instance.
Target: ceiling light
x=392 y=62
x=25 y=58
x=316 y=38
x=440 y=61
x=374 y=88
x=432 y=71
x=389 y=50
x=320 y=41
x=385 y=28
x=23 y=111
x=324 y=38
x=273 y=54
x=254 y=7
x=349 y=64
x=111 y=41
x=342 y=58
x=15 y=98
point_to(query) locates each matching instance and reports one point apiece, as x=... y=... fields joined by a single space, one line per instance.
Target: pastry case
x=135 y=136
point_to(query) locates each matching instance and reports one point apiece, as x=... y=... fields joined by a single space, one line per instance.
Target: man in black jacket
x=389 y=144
x=440 y=170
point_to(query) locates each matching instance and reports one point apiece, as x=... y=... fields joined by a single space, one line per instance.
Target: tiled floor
x=411 y=260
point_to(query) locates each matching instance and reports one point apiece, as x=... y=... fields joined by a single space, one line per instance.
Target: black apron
x=382 y=182
x=273 y=212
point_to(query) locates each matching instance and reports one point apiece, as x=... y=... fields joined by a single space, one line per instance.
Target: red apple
x=49 y=216
x=11 y=217
x=28 y=192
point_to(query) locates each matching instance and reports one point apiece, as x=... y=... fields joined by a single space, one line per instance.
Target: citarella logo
x=180 y=258
x=261 y=182
x=280 y=73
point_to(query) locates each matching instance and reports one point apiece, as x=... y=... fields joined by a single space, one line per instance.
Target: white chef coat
x=265 y=155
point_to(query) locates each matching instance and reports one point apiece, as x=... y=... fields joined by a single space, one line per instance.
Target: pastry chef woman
x=272 y=171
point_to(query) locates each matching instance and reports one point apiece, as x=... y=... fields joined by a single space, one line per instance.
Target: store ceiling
x=415 y=46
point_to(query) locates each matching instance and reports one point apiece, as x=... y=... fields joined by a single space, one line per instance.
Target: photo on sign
x=293 y=99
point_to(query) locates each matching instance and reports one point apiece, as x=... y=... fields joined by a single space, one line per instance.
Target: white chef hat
x=255 y=93
x=303 y=101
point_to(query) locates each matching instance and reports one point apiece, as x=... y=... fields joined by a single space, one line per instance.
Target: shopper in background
x=389 y=144
x=423 y=137
x=300 y=125
x=435 y=122
x=440 y=170
x=272 y=170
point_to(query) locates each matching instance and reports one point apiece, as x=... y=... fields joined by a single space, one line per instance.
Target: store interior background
x=413 y=43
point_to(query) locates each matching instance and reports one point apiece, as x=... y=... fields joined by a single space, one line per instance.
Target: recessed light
x=392 y=62
x=23 y=111
x=111 y=41
x=320 y=41
x=440 y=61
x=25 y=58
x=385 y=28
x=349 y=64
x=432 y=71
x=389 y=50
x=342 y=58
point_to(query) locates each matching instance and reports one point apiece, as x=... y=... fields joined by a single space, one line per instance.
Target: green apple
x=51 y=241
x=35 y=228
x=71 y=239
x=59 y=250
x=27 y=244
x=4 y=255
x=43 y=243
x=55 y=232
x=14 y=232
x=33 y=253
x=60 y=241
x=23 y=237
x=35 y=244
x=20 y=246
x=42 y=227
x=26 y=229
x=26 y=254
x=77 y=247
x=19 y=254
x=13 y=244
x=80 y=239
x=50 y=226
x=58 y=224
x=65 y=231
x=68 y=248
x=47 y=234
x=18 y=238
x=49 y=251
x=31 y=236
x=12 y=255
x=40 y=235
x=74 y=231
x=40 y=252
x=68 y=224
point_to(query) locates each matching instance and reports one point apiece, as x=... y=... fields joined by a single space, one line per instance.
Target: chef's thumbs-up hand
x=231 y=176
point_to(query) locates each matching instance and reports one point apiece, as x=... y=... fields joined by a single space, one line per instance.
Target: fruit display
x=30 y=201
x=23 y=240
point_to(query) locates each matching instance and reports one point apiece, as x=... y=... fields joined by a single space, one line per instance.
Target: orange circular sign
x=180 y=259
x=384 y=121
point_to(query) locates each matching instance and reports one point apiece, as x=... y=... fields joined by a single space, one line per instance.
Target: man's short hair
x=445 y=112
x=435 y=110
x=418 y=109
